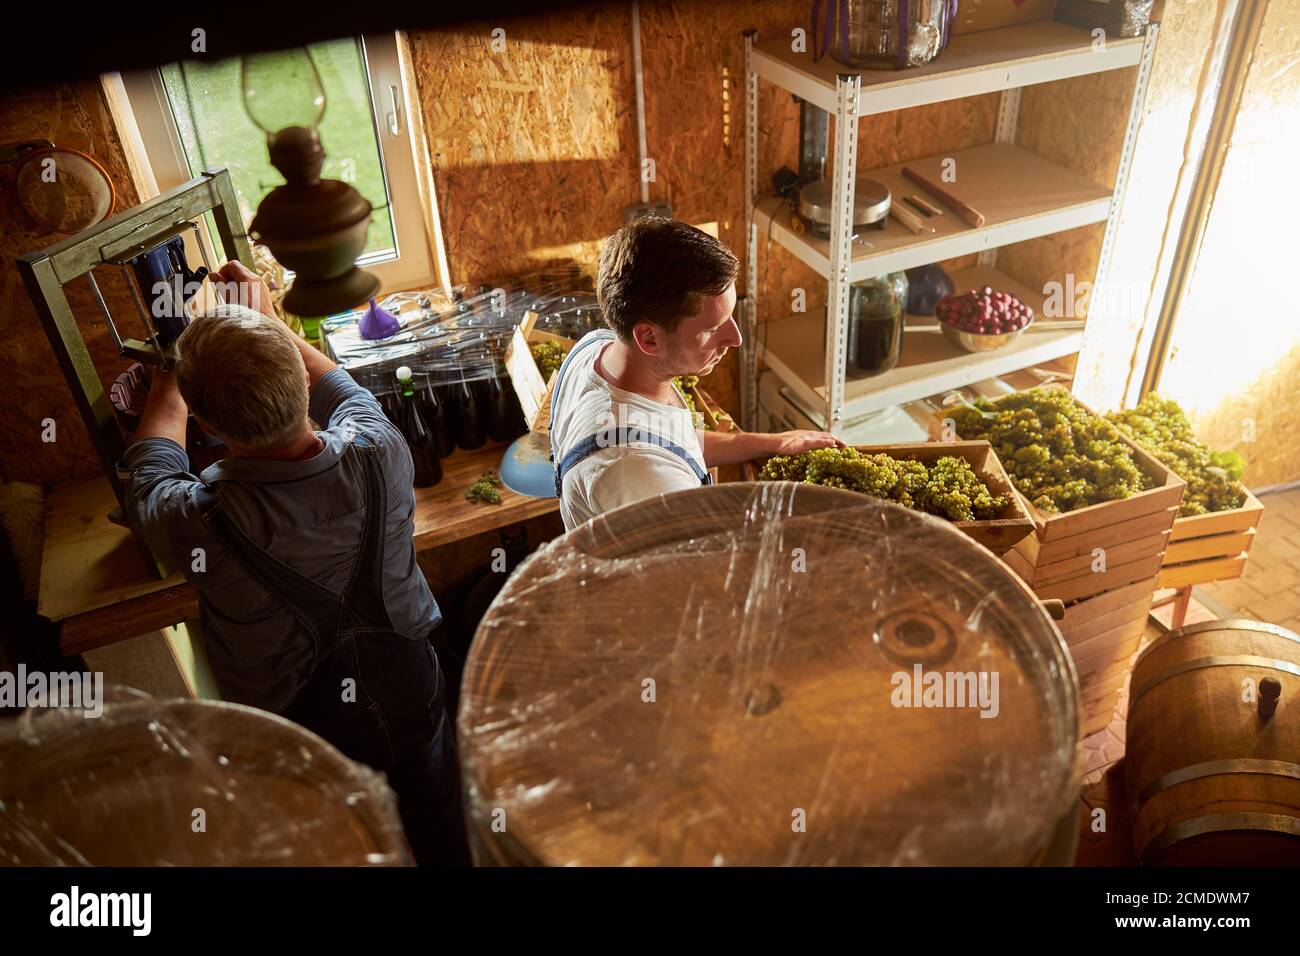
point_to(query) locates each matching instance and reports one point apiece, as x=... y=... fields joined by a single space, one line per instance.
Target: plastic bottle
x=420 y=438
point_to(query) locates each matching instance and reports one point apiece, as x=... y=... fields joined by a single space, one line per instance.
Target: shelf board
x=794 y=349
x=1021 y=195
x=986 y=62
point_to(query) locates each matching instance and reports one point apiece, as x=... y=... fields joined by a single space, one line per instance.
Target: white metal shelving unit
x=1022 y=196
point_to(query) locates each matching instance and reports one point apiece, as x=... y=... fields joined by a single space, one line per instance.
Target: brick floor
x=1269 y=590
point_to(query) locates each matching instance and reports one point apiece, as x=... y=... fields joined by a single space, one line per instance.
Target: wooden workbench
x=95 y=584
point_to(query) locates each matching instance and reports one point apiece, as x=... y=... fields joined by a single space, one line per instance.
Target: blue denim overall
x=394 y=720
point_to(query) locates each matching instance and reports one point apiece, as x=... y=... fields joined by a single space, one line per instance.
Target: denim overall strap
x=625 y=436
x=564 y=367
x=327 y=616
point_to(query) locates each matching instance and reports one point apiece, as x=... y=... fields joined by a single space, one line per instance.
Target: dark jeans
x=395 y=721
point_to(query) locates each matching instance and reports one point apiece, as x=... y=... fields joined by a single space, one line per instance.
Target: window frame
x=416 y=264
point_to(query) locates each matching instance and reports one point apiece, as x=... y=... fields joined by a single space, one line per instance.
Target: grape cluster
x=684 y=385
x=1059 y=455
x=486 y=489
x=1213 y=478
x=949 y=488
x=549 y=356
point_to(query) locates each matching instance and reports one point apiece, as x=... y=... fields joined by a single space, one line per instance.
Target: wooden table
x=95 y=584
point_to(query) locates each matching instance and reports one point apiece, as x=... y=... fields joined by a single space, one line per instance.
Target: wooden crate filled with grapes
x=532 y=359
x=1215 y=527
x=962 y=482
x=1103 y=510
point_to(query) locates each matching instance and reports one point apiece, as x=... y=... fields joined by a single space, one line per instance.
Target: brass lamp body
x=314 y=227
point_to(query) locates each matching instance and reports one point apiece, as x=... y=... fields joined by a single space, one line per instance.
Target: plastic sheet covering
x=186 y=783
x=457 y=339
x=728 y=676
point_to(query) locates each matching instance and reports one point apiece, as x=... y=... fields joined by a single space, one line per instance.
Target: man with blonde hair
x=300 y=547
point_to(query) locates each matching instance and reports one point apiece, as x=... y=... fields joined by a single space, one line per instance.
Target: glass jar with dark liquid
x=877 y=311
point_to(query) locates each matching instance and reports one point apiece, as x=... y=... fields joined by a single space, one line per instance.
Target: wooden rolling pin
x=968 y=213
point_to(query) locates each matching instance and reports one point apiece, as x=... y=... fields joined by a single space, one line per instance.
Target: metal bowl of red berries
x=981 y=320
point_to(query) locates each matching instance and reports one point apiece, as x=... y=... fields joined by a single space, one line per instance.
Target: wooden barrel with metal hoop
x=713 y=677
x=1212 y=766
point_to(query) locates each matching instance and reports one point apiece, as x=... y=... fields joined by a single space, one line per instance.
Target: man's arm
x=165 y=414
x=732 y=448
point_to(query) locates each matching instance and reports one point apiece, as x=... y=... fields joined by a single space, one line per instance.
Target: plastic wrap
x=461 y=338
x=186 y=783
x=729 y=675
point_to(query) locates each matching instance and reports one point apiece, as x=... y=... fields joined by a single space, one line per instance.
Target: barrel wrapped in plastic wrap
x=763 y=674
x=186 y=783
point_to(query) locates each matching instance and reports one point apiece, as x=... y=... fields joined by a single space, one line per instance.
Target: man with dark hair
x=620 y=431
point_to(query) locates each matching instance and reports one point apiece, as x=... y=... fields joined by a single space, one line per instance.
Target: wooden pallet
x=1211 y=547
x=999 y=534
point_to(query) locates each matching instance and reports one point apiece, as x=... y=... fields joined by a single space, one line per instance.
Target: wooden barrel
x=187 y=783
x=1212 y=781
x=716 y=677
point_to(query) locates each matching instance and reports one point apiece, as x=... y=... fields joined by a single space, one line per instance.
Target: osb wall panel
x=1236 y=346
x=534 y=148
x=32 y=387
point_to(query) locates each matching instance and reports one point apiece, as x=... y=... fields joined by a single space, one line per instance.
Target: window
x=191 y=117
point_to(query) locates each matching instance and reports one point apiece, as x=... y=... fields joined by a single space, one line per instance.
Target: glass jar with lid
x=877 y=311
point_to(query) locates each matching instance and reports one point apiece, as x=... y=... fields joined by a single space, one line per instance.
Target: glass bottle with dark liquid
x=420 y=438
x=505 y=419
x=437 y=414
x=470 y=420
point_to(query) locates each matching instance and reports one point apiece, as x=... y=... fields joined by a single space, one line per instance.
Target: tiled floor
x=1268 y=591
x=1270 y=588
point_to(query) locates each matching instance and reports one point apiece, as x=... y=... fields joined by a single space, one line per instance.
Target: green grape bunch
x=949 y=488
x=549 y=356
x=1058 y=454
x=1213 y=477
x=684 y=384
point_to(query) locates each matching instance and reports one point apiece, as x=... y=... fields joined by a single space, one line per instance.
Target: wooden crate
x=1060 y=560
x=534 y=393
x=1103 y=633
x=999 y=534
x=1211 y=547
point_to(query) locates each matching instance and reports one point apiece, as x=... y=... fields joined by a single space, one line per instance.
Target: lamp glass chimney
x=282 y=89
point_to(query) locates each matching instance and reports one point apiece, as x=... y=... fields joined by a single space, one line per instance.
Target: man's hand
x=244 y=287
x=251 y=290
x=792 y=443
x=732 y=448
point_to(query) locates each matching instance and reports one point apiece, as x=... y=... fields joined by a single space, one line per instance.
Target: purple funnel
x=378 y=323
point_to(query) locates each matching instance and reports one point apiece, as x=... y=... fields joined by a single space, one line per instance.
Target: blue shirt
x=307 y=514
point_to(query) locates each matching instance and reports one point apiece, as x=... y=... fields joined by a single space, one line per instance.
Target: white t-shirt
x=610 y=477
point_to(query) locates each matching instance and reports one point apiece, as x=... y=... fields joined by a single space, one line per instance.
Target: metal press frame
x=847 y=109
x=114 y=242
